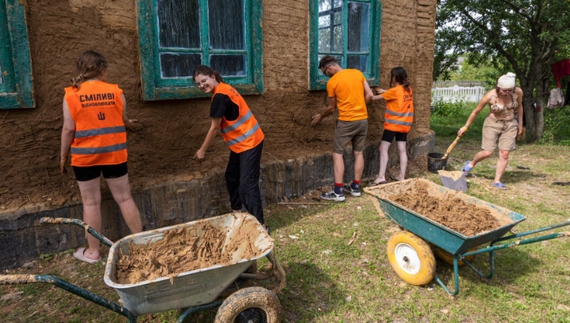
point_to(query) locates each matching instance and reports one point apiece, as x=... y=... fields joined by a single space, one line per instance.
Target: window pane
x=330 y=26
x=179 y=23
x=178 y=65
x=358 y=26
x=229 y=65
x=359 y=62
x=324 y=21
x=226 y=24
x=336 y=40
x=324 y=5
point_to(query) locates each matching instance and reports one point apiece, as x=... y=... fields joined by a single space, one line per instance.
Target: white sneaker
x=352 y=191
x=332 y=196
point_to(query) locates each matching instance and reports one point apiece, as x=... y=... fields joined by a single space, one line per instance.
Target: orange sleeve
x=390 y=94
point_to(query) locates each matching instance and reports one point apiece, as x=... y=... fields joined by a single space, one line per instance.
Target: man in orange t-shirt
x=349 y=90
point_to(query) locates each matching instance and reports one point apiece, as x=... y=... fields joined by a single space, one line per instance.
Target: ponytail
x=400 y=75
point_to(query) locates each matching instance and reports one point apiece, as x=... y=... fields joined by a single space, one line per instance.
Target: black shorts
x=389 y=135
x=83 y=174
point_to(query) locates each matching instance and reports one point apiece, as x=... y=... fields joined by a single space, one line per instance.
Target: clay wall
x=174 y=130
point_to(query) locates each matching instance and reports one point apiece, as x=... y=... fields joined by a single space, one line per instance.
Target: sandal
x=500 y=186
x=375 y=183
x=466 y=168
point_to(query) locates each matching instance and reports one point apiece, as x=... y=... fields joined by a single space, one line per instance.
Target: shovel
x=454 y=180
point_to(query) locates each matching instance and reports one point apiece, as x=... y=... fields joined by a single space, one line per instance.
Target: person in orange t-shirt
x=94 y=131
x=349 y=90
x=397 y=121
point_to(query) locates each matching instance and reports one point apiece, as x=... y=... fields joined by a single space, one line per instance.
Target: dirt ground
x=189 y=248
x=452 y=212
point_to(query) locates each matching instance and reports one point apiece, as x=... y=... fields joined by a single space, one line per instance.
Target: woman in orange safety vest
x=397 y=121
x=94 y=132
x=233 y=119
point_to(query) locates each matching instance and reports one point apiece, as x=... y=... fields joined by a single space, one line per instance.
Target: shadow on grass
x=510 y=265
x=310 y=293
x=286 y=213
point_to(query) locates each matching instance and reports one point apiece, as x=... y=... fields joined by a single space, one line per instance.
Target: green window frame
x=333 y=32
x=15 y=63
x=161 y=59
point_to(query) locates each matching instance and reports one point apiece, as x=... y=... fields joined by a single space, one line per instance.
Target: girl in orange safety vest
x=94 y=131
x=233 y=119
x=397 y=121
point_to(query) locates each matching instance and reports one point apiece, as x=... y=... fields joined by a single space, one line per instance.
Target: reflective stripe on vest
x=238 y=123
x=243 y=137
x=101 y=131
x=401 y=115
x=98 y=150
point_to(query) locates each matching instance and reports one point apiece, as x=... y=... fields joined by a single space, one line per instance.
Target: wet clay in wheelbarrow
x=449 y=211
x=182 y=251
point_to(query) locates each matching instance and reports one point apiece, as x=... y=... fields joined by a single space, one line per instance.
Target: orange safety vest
x=100 y=135
x=399 y=109
x=243 y=133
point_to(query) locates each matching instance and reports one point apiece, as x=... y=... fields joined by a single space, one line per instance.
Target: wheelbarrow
x=411 y=251
x=190 y=291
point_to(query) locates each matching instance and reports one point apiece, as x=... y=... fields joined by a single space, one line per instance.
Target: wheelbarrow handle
x=17 y=279
x=88 y=229
x=65 y=285
x=450 y=149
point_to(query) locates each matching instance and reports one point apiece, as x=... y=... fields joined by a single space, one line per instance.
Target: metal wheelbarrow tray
x=191 y=288
x=412 y=258
x=190 y=291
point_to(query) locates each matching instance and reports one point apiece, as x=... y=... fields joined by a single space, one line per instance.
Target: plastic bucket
x=435 y=162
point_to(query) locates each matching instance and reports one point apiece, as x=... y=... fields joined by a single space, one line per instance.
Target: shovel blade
x=454 y=180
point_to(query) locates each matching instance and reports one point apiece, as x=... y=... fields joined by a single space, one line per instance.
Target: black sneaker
x=332 y=196
x=352 y=191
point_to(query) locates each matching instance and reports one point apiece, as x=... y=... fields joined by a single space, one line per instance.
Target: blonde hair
x=90 y=65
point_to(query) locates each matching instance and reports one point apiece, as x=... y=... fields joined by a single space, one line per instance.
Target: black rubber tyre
x=250 y=305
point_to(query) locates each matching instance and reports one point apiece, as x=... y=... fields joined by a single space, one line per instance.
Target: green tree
x=522 y=36
x=482 y=71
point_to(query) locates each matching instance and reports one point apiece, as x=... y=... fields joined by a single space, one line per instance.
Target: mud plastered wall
x=174 y=130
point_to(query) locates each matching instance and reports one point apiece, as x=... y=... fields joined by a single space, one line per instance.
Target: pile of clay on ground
x=450 y=211
x=182 y=250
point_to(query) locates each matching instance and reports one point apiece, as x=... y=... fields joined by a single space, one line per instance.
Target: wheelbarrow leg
x=455 y=278
x=195 y=309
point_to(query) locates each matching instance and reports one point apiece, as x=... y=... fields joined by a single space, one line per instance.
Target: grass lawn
x=331 y=279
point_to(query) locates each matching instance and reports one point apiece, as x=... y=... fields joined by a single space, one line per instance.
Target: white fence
x=457 y=93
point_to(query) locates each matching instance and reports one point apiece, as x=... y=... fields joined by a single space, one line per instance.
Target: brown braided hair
x=90 y=65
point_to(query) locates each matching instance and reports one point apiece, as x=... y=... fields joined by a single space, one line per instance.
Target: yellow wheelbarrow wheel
x=448 y=258
x=411 y=258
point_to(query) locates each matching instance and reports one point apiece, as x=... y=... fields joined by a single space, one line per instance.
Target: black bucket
x=435 y=162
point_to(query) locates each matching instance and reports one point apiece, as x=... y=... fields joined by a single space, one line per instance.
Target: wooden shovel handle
x=451 y=147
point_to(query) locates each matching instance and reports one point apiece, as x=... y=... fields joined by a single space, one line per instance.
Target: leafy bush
x=447 y=109
x=451 y=116
x=556 y=129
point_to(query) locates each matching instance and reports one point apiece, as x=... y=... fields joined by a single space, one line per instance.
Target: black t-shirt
x=222 y=106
